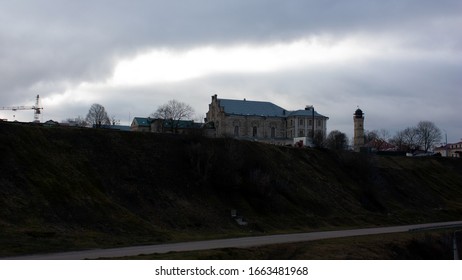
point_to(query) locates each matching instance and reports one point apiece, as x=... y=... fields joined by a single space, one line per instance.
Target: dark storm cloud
x=394 y=93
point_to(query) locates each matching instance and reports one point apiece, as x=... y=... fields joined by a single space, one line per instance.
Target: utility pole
x=312 y=127
x=311 y=107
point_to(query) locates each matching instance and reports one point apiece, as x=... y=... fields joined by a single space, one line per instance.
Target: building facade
x=450 y=150
x=263 y=121
x=141 y=124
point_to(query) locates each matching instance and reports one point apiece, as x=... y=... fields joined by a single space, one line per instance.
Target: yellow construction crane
x=37 y=109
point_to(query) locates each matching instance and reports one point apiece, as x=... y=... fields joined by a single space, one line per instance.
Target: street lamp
x=446 y=144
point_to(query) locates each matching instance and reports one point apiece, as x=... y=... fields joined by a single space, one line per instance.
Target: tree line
x=424 y=136
x=97 y=116
x=173 y=111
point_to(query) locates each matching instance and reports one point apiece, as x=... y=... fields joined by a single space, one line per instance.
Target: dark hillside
x=63 y=188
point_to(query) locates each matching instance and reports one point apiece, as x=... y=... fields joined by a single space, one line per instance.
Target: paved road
x=228 y=243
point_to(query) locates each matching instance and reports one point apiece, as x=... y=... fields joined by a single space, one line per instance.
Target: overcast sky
x=400 y=61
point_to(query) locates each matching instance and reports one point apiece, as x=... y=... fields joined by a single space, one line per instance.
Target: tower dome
x=358 y=113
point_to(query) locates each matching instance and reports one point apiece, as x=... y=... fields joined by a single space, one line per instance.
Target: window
x=273 y=132
x=310 y=122
x=318 y=123
x=301 y=133
x=254 y=131
x=300 y=121
x=236 y=131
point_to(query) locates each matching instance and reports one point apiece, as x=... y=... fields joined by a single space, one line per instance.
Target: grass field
x=72 y=188
x=431 y=245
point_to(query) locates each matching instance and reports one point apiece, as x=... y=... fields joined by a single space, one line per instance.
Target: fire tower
x=358 y=140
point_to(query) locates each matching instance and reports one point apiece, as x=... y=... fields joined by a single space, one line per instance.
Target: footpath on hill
x=231 y=242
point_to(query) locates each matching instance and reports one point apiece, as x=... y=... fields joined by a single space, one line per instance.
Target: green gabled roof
x=306 y=113
x=142 y=121
x=261 y=108
x=248 y=108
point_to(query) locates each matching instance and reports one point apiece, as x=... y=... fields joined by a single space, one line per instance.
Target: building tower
x=358 y=140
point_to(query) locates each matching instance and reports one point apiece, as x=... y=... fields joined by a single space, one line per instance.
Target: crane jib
x=37 y=109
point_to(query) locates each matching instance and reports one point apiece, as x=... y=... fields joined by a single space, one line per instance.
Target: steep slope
x=64 y=188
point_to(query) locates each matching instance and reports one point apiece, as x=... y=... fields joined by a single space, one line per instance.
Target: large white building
x=450 y=150
x=263 y=121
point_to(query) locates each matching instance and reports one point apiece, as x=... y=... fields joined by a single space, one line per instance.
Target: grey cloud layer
x=49 y=46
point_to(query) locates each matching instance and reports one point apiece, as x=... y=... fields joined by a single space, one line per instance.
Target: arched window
x=273 y=132
x=236 y=131
x=254 y=131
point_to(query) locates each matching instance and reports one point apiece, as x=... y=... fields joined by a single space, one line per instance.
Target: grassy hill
x=68 y=188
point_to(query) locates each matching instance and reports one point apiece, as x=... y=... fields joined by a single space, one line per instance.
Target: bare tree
x=97 y=116
x=423 y=136
x=399 y=141
x=428 y=134
x=172 y=113
x=78 y=121
x=384 y=134
x=114 y=121
x=370 y=135
x=411 y=138
x=319 y=139
x=377 y=139
x=337 y=140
